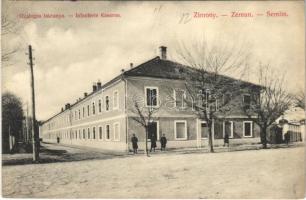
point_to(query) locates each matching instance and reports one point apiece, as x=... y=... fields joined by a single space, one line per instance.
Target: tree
x=207 y=84
x=272 y=102
x=12 y=116
x=299 y=99
x=8 y=28
x=144 y=115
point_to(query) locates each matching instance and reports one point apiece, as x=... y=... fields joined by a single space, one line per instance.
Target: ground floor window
x=247 y=129
x=180 y=129
x=88 y=133
x=107 y=132
x=93 y=132
x=204 y=130
x=100 y=132
x=116 y=132
x=83 y=133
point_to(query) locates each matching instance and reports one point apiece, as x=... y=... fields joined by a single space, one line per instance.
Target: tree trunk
x=210 y=139
x=263 y=137
x=147 y=152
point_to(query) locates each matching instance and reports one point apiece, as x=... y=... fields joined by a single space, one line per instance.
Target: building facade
x=105 y=118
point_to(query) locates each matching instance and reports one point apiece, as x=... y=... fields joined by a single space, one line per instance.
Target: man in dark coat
x=153 y=143
x=226 y=140
x=134 y=143
x=163 y=142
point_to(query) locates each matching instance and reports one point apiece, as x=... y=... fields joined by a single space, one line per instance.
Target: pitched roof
x=158 y=68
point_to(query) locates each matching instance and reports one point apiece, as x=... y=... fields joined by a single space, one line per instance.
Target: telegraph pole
x=35 y=137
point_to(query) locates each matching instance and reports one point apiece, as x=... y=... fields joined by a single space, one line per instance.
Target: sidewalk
x=51 y=153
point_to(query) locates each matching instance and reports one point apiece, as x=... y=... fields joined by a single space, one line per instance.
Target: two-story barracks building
x=105 y=118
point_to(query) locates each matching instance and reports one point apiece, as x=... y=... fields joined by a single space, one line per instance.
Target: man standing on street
x=163 y=142
x=134 y=143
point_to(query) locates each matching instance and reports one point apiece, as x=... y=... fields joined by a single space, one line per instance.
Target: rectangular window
x=115 y=100
x=107 y=103
x=151 y=96
x=83 y=112
x=226 y=98
x=75 y=115
x=247 y=129
x=93 y=108
x=80 y=137
x=84 y=134
x=179 y=96
x=204 y=130
x=100 y=105
x=180 y=130
x=93 y=132
x=247 y=101
x=88 y=133
x=116 y=132
x=88 y=112
x=107 y=132
x=79 y=114
x=100 y=133
x=228 y=127
x=76 y=134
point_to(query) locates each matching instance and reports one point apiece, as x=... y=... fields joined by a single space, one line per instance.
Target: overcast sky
x=70 y=54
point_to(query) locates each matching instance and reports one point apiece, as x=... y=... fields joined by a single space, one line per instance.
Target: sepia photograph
x=153 y=99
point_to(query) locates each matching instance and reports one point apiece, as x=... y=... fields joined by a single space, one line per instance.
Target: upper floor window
x=88 y=112
x=93 y=108
x=247 y=101
x=151 y=96
x=115 y=100
x=83 y=112
x=179 y=96
x=226 y=98
x=75 y=115
x=79 y=114
x=106 y=103
x=100 y=105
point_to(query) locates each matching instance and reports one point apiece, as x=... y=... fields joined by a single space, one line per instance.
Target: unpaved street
x=273 y=173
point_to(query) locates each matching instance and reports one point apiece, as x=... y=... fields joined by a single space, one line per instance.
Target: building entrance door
x=152 y=130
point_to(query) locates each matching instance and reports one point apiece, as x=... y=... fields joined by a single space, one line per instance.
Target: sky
x=72 y=53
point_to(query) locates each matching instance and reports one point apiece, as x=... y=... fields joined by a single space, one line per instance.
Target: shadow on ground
x=51 y=155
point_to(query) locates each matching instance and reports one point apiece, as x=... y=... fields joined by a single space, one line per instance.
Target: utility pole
x=35 y=137
x=27 y=125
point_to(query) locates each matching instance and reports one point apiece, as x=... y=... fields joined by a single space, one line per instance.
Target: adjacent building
x=104 y=117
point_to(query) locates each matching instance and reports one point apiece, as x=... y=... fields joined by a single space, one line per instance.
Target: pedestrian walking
x=226 y=140
x=153 y=143
x=287 y=138
x=134 y=141
x=163 y=142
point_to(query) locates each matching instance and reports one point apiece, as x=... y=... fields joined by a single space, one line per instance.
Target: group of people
x=163 y=142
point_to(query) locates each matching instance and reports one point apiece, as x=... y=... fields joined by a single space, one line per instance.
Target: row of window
x=180 y=129
x=152 y=98
x=95 y=132
x=92 y=109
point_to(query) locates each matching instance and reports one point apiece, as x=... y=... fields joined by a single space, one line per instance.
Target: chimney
x=163 y=52
x=122 y=70
x=85 y=94
x=94 y=87
x=99 y=84
x=131 y=65
x=62 y=109
x=67 y=106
